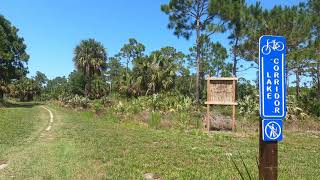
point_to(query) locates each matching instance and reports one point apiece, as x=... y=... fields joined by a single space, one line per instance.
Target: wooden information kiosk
x=221 y=91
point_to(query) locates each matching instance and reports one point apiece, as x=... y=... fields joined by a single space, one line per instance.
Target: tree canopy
x=13 y=55
x=90 y=58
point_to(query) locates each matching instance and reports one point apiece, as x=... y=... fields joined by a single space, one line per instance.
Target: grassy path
x=51 y=118
x=82 y=146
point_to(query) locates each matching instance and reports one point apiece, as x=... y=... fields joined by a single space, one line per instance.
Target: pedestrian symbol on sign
x=272 y=130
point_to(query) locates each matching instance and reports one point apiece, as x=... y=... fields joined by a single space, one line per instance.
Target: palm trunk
x=88 y=82
x=198 y=88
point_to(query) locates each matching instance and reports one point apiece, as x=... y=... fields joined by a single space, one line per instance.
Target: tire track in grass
x=51 y=118
x=4 y=164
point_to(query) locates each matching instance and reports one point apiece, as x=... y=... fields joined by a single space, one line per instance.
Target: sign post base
x=268 y=158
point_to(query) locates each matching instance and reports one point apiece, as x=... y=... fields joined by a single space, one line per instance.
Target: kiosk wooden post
x=208 y=107
x=221 y=91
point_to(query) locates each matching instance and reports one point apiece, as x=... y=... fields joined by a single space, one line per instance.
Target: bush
x=245 y=88
x=76 y=82
x=248 y=100
x=310 y=102
x=170 y=102
x=248 y=106
x=294 y=112
x=74 y=101
x=99 y=88
x=154 y=120
x=156 y=102
x=183 y=120
x=96 y=106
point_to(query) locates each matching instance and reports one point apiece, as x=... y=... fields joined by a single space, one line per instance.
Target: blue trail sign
x=272 y=130
x=272 y=78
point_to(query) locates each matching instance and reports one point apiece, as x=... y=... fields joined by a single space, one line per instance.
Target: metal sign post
x=272 y=87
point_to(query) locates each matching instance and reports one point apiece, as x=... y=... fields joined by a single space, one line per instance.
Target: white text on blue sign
x=272 y=54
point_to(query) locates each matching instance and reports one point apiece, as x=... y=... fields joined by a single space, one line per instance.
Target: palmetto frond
x=90 y=55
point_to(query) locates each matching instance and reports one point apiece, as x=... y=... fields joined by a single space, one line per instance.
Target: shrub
x=293 y=110
x=245 y=88
x=76 y=82
x=154 y=120
x=57 y=89
x=120 y=108
x=74 y=101
x=183 y=120
x=156 y=102
x=170 y=102
x=248 y=106
x=99 y=87
x=105 y=101
x=310 y=102
x=96 y=106
x=24 y=89
x=79 y=101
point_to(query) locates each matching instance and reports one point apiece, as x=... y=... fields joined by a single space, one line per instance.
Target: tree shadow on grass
x=13 y=104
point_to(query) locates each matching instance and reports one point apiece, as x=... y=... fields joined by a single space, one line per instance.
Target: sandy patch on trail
x=51 y=118
x=3 y=164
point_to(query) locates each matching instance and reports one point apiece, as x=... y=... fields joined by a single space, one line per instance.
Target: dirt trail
x=51 y=118
x=4 y=164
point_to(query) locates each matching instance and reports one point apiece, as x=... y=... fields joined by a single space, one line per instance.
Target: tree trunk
x=287 y=81
x=198 y=63
x=127 y=69
x=88 y=83
x=1 y=95
x=22 y=98
x=29 y=97
x=234 y=68
x=318 y=78
x=257 y=79
x=298 y=83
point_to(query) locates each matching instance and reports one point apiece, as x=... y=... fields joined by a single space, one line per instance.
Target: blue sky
x=52 y=29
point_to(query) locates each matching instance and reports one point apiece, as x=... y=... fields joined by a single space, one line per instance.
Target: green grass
x=84 y=146
x=19 y=124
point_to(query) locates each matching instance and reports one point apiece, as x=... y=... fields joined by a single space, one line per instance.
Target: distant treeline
x=132 y=72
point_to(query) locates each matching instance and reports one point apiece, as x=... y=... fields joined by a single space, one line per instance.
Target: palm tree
x=90 y=58
x=158 y=71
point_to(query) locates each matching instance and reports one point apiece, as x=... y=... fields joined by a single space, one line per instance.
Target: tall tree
x=235 y=13
x=115 y=72
x=90 y=58
x=213 y=56
x=24 y=89
x=40 y=78
x=131 y=51
x=188 y=16
x=57 y=87
x=158 y=71
x=76 y=82
x=13 y=56
x=290 y=22
x=314 y=6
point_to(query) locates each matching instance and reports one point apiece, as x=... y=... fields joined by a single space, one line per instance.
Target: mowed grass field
x=81 y=145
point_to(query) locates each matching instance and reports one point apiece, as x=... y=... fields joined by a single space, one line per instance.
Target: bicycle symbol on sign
x=272 y=45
